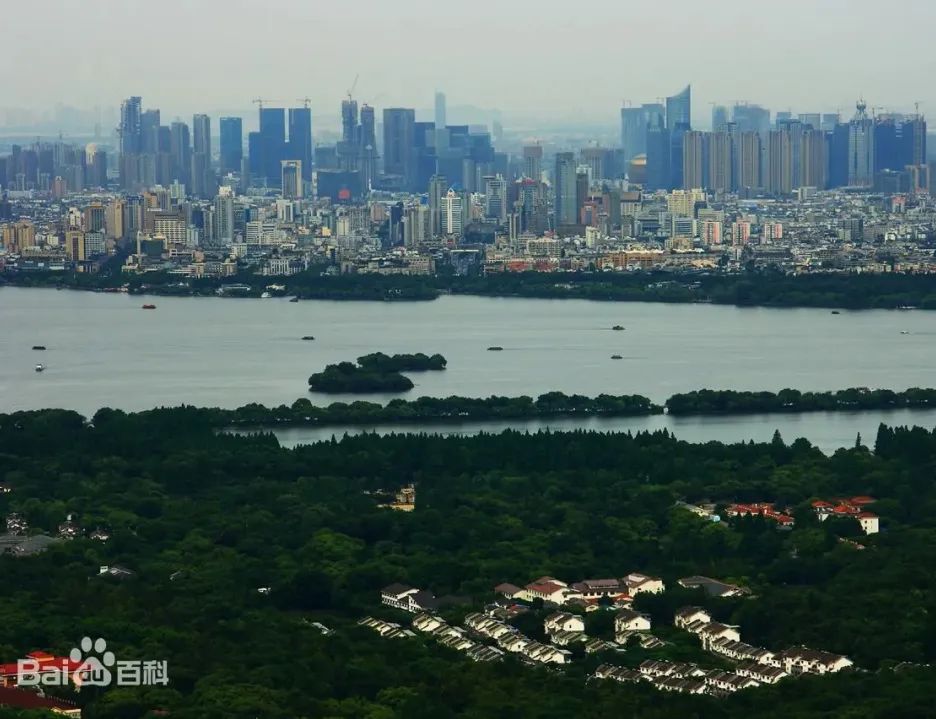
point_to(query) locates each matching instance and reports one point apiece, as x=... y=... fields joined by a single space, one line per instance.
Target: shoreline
x=806 y=291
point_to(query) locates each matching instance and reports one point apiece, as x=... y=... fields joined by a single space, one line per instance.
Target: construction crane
x=353 y=86
x=258 y=101
x=306 y=102
x=916 y=107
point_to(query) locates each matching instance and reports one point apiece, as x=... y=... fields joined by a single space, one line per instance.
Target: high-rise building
x=452 y=210
x=224 y=216
x=300 y=139
x=811 y=119
x=131 y=140
x=659 y=175
x=679 y=109
x=635 y=121
x=564 y=179
x=368 y=145
x=202 y=176
x=269 y=145
x=232 y=144
x=415 y=225
x=399 y=140
x=721 y=162
x=829 y=122
x=349 y=122
x=180 y=153
x=695 y=159
x=291 y=181
x=814 y=161
x=533 y=162
x=861 y=148
x=838 y=140
x=440 y=110
x=438 y=186
x=719 y=118
x=779 y=163
x=752 y=118
x=747 y=162
x=495 y=199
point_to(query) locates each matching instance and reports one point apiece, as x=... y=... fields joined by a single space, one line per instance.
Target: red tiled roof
x=22 y=699
x=863 y=500
x=867 y=515
x=819 y=503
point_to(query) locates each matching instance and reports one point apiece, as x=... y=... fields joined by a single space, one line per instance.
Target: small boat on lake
x=616 y=357
x=294 y=299
x=308 y=337
x=149 y=307
x=495 y=348
x=617 y=328
x=836 y=312
x=39 y=347
x=40 y=368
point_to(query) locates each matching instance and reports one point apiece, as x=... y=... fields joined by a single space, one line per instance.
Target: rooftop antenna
x=306 y=102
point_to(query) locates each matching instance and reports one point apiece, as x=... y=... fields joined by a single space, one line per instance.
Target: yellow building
x=19 y=236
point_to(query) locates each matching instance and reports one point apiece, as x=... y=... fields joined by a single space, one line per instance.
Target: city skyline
x=776 y=48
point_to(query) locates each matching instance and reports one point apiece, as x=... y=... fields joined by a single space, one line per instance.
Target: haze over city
x=533 y=61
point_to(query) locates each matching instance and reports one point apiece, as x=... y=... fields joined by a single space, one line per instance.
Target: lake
x=104 y=350
x=828 y=431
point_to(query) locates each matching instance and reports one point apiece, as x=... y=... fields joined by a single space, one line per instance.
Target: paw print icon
x=94 y=663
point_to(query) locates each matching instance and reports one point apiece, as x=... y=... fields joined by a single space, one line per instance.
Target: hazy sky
x=530 y=58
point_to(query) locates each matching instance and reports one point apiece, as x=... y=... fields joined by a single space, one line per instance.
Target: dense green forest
x=204 y=520
x=709 y=401
x=375 y=372
x=441 y=409
x=769 y=288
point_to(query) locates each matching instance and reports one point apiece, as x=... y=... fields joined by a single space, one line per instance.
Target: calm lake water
x=104 y=350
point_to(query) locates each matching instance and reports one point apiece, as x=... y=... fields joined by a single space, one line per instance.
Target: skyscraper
x=495 y=198
x=438 y=186
x=349 y=121
x=779 y=163
x=202 y=177
x=659 y=176
x=300 y=139
x=721 y=162
x=440 y=110
x=291 y=181
x=695 y=160
x=719 y=118
x=131 y=140
x=399 y=139
x=368 y=147
x=533 y=162
x=635 y=122
x=747 y=162
x=180 y=152
x=271 y=144
x=232 y=144
x=861 y=148
x=679 y=109
x=565 y=189
x=815 y=159
x=752 y=118
x=453 y=209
